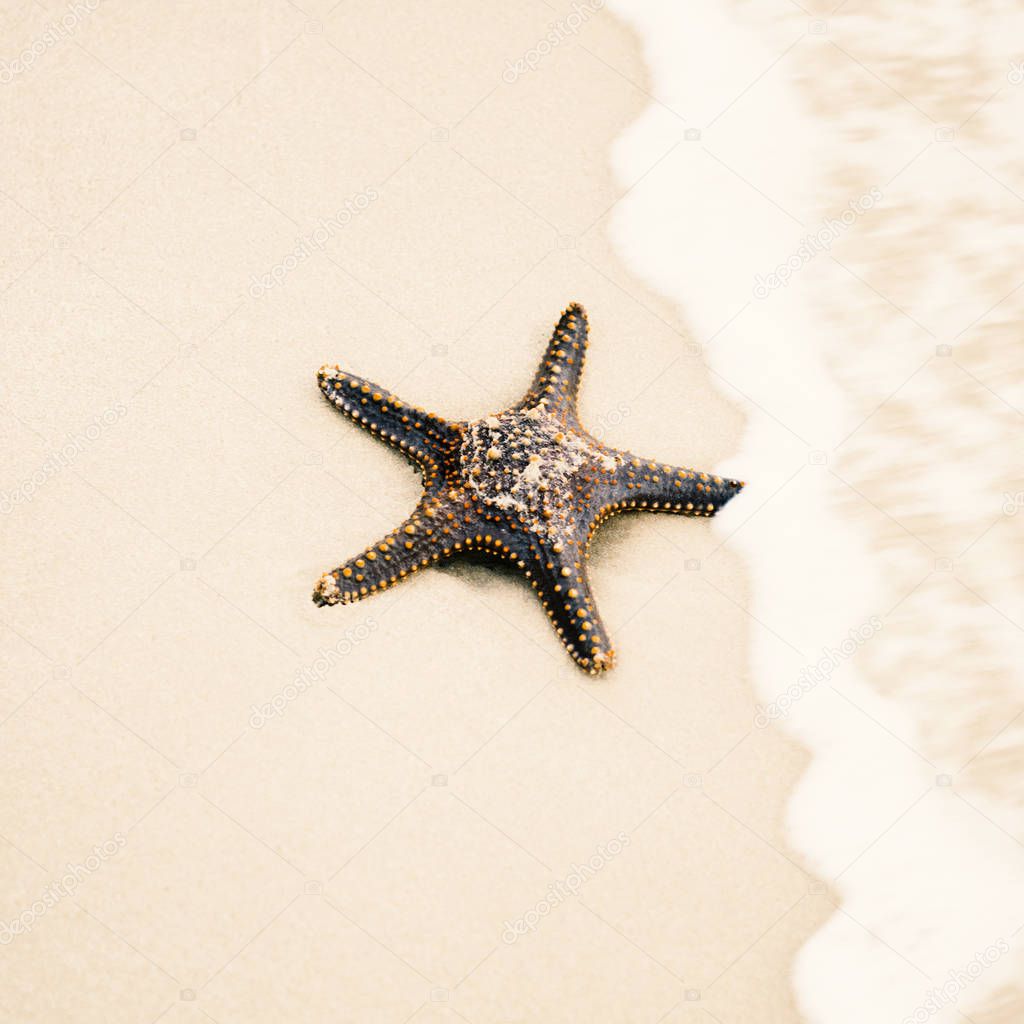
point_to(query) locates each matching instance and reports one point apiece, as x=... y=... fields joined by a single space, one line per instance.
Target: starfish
x=528 y=486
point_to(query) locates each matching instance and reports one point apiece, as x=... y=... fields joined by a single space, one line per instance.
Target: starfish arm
x=563 y=586
x=422 y=436
x=425 y=537
x=557 y=381
x=443 y=525
x=642 y=484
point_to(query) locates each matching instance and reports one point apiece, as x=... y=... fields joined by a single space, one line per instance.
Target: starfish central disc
x=524 y=464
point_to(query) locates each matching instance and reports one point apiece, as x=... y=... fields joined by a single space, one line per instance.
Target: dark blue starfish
x=528 y=486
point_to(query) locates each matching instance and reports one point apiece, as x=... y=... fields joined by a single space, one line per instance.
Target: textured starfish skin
x=528 y=485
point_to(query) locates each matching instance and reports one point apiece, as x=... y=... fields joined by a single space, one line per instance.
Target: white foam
x=698 y=229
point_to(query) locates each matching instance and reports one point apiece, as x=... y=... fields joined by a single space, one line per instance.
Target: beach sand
x=219 y=802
